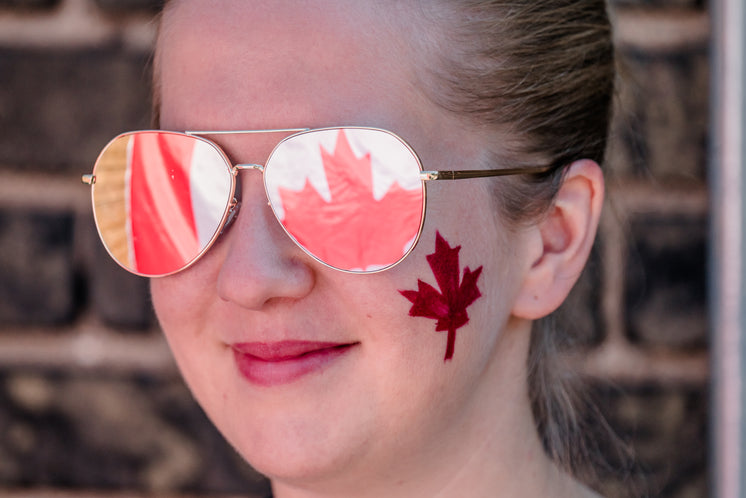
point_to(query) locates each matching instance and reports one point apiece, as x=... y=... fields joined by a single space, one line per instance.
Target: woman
x=411 y=381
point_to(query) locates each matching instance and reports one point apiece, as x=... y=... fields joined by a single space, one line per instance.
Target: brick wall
x=89 y=398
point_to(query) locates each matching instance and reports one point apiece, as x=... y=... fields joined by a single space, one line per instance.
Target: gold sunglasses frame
x=234 y=202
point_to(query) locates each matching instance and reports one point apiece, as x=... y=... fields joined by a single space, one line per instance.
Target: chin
x=294 y=448
x=298 y=465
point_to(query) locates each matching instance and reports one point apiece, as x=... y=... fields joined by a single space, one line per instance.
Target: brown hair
x=540 y=74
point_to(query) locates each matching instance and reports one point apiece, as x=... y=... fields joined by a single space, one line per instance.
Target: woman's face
x=374 y=382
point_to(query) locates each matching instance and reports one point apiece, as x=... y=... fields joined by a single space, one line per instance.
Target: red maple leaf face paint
x=449 y=305
x=354 y=230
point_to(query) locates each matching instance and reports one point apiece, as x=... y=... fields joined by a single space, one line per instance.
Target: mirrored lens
x=351 y=197
x=159 y=199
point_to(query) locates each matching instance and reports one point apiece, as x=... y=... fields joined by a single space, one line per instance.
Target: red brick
x=666 y=429
x=37 y=282
x=120 y=299
x=666 y=303
x=63 y=430
x=58 y=108
x=28 y=4
x=129 y=6
x=661 y=123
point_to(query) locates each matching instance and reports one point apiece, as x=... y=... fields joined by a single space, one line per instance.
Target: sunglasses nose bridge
x=247 y=166
x=235 y=203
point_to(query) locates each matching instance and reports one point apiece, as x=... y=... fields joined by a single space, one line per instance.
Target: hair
x=540 y=73
x=539 y=76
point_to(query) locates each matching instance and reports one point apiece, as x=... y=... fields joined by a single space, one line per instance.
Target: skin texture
x=389 y=417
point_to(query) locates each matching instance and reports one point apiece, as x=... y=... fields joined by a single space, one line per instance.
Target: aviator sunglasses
x=353 y=198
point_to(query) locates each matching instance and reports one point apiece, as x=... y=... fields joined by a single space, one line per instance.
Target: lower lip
x=284 y=369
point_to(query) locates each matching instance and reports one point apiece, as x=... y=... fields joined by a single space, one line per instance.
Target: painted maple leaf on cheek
x=354 y=231
x=449 y=305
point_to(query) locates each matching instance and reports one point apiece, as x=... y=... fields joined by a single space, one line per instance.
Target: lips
x=275 y=363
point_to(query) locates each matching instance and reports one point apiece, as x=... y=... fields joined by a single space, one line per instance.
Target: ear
x=565 y=237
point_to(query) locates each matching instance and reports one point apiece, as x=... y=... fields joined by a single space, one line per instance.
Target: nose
x=261 y=264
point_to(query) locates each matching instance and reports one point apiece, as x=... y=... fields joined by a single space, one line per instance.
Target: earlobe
x=566 y=236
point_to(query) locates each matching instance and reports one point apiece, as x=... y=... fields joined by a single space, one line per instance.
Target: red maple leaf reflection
x=448 y=307
x=354 y=230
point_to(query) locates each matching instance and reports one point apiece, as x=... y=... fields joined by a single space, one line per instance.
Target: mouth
x=276 y=363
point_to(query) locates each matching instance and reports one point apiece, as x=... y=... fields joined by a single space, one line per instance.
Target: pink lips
x=274 y=363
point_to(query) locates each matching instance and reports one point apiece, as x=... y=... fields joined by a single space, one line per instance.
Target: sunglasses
x=353 y=198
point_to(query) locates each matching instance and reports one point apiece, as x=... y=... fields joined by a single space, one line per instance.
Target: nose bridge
x=259 y=262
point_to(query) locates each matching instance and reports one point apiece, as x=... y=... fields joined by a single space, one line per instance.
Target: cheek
x=184 y=297
x=447 y=306
x=168 y=300
x=180 y=308
x=170 y=309
x=464 y=274
x=183 y=314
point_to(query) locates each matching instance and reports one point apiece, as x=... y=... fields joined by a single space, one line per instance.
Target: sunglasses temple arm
x=461 y=175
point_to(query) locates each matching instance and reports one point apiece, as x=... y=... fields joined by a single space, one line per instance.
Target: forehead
x=281 y=63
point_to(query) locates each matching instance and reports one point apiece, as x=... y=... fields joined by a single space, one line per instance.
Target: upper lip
x=284 y=350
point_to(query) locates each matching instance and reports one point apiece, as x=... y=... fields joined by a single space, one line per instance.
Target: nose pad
x=235 y=206
x=233 y=209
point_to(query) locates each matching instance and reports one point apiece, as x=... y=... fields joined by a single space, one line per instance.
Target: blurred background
x=90 y=401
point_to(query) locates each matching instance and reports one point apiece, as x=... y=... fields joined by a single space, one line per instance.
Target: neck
x=494 y=450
